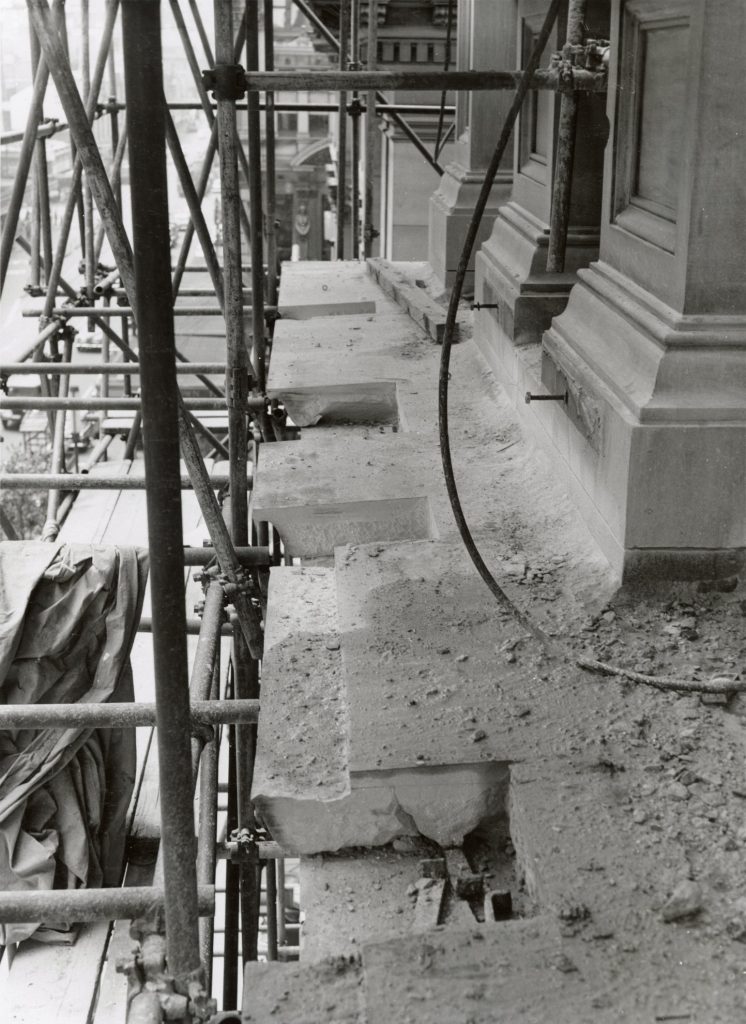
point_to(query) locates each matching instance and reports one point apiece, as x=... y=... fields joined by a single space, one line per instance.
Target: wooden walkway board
x=55 y=984
x=60 y=984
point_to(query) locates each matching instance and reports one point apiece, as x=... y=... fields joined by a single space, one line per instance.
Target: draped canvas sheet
x=68 y=617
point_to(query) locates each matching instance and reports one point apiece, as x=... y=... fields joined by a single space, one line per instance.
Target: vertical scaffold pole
x=237 y=363
x=269 y=137
x=149 y=189
x=566 y=132
x=371 y=130
x=355 y=126
x=10 y=222
x=255 y=200
x=344 y=29
x=90 y=243
x=237 y=379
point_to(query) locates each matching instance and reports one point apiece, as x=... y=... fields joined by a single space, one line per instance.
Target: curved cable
x=445 y=358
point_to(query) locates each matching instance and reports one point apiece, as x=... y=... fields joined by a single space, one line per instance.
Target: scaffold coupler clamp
x=152 y=992
x=355 y=107
x=243 y=846
x=66 y=332
x=225 y=81
x=239 y=381
x=591 y=56
x=239 y=581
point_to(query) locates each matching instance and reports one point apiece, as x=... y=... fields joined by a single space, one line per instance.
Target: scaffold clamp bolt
x=225 y=81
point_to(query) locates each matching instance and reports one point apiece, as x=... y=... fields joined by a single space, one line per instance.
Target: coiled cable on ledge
x=445 y=359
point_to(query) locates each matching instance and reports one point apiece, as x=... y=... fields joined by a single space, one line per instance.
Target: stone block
x=323 y=493
x=352 y=898
x=345 y=369
x=427 y=683
x=326 y=993
x=319 y=288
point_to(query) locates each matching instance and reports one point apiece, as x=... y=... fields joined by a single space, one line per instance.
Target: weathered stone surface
x=355 y=897
x=346 y=368
x=417 y=612
x=320 y=288
x=306 y=788
x=326 y=993
x=320 y=493
x=302 y=740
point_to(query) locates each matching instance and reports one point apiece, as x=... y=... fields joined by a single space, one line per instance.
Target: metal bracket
x=355 y=107
x=593 y=56
x=225 y=81
x=242 y=846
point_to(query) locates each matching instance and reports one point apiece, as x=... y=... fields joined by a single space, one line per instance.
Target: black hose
x=445 y=359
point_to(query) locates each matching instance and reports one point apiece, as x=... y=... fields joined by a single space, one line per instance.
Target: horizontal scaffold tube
x=469 y=81
x=205 y=404
x=85 y=482
x=121 y=716
x=110 y=311
x=193 y=626
x=320 y=108
x=102 y=369
x=246 y=556
x=79 y=905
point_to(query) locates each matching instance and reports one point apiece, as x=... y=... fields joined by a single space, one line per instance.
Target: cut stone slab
x=351 y=898
x=303 y=789
x=320 y=365
x=326 y=993
x=498 y=974
x=346 y=368
x=319 y=495
x=427 y=681
x=302 y=735
x=573 y=831
x=316 y=791
x=319 y=288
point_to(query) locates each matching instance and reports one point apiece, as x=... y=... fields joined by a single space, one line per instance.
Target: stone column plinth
x=651 y=347
x=486 y=39
x=511 y=265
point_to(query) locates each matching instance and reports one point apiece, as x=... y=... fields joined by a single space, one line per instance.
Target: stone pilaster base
x=511 y=272
x=652 y=441
x=451 y=209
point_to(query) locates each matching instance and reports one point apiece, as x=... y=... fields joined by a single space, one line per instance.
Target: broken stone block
x=349 y=369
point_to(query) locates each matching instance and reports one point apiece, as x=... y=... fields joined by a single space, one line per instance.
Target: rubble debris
x=685 y=901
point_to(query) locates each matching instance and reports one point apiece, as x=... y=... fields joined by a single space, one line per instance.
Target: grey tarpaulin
x=68 y=617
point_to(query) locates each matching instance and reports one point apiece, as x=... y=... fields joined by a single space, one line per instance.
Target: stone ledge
x=320 y=288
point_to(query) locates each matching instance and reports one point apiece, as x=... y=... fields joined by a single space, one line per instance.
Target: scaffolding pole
x=269 y=137
x=25 y=158
x=160 y=400
x=344 y=42
x=565 y=151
